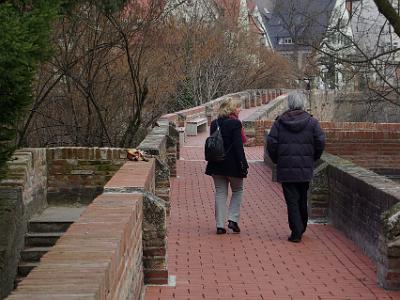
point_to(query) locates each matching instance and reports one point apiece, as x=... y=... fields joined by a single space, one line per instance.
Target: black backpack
x=214 y=147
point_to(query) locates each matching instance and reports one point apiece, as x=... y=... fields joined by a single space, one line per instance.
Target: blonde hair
x=228 y=107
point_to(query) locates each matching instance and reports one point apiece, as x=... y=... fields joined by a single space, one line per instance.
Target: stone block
x=318 y=199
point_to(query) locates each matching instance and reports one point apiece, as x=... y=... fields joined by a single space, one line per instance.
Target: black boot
x=294 y=239
x=221 y=230
x=234 y=226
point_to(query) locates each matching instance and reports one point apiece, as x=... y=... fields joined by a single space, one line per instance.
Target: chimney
x=349 y=6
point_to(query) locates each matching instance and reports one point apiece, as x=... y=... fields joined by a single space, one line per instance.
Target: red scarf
x=236 y=117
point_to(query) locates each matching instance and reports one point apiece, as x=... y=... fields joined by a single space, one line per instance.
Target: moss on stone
x=391 y=222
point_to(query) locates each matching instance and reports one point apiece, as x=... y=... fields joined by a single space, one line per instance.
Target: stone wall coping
x=360 y=126
x=211 y=104
x=133 y=175
x=364 y=177
x=266 y=109
x=155 y=141
x=88 y=153
x=350 y=126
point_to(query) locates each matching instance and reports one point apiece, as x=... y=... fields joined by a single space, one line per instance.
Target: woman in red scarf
x=235 y=115
x=232 y=170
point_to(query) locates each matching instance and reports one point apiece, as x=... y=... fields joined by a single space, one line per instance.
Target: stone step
x=49 y=226
x=33 y=254
x=41 y=239
x=25 y=267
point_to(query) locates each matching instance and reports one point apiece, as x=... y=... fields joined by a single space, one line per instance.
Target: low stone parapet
x=262 y=119
x=163 y=144
x=388 y=266
x=22 y=194
x=366 y=207
x=99 y=257
x=248 y=98
x=117 y=244
x=78 y=174
x=140 y=177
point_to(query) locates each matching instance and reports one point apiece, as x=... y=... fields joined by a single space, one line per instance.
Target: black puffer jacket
x=235 y=164
x=294 y=143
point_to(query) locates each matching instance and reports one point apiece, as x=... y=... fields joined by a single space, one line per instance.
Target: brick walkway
x=259 y=263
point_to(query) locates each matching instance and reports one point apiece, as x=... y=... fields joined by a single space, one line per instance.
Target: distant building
x=296 y=28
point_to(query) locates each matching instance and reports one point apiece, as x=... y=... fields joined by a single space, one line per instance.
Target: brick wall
x=22 y=194
x=371 y=148
x=370 y=145
x=118 y=242
x=99 y=257
x=342 y=131
x=78 y=174
x=140 y=177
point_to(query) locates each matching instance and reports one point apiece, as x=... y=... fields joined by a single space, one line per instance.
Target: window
x=285 y=41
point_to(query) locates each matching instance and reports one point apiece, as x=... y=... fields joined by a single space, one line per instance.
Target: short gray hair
x=296 y=101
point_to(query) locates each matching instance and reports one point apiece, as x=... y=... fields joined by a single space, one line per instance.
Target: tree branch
x=386 y=9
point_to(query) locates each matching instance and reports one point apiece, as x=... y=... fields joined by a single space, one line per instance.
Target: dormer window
x=285 y=41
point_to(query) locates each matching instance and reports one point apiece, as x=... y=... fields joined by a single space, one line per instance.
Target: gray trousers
x=221 y=194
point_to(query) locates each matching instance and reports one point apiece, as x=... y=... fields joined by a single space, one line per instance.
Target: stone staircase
x=43 y=232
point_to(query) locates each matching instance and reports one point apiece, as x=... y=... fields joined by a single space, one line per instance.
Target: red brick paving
x=259 y=263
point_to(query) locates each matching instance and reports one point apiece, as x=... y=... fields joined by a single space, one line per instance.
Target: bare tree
x=354 y=42
x=220 y=55
x=105 y=78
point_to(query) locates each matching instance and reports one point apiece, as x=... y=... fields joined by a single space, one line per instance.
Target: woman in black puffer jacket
x=294 y=143
x=232 y=169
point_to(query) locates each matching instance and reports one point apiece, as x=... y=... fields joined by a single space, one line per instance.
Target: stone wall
x=99 y=257
x=388 y=266
x=138 y=250
x=249 y=98
x=365 y=206
x=163 y=143
x=322 y=105
x=255 y=125
x=118 y=243
x=361 y=203
x=22 y=195
x=78 y=174
x=352 y=107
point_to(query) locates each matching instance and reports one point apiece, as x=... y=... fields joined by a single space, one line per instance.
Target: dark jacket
x=235 y=163
x=294 y=143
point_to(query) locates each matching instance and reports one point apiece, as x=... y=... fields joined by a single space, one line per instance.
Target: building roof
x=304 y=21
